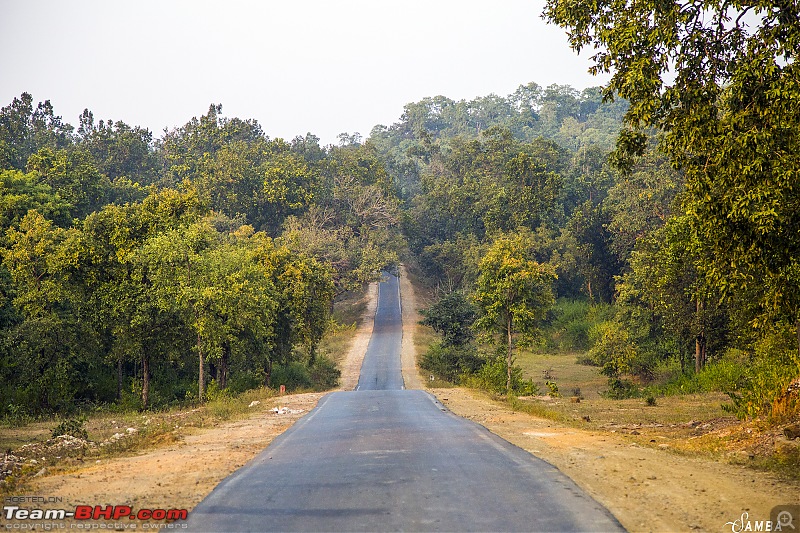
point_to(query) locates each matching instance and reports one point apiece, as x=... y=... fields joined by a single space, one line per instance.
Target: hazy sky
x=296 y=66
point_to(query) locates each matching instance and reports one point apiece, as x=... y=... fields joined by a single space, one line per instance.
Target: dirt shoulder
x=639 y=478
x=180 y=474
x=648 y=488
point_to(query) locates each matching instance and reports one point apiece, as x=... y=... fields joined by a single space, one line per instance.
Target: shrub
x=452 y=318
x=775 y=364
x=451 y=363
x=621 y=389
x=73 y=427
x=324 y=373
x=613 y=349
x=294 y=375
x=213 y=392
x=240 y=382
x=493 y=377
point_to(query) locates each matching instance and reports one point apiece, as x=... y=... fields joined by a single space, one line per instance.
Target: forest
x=144 y=272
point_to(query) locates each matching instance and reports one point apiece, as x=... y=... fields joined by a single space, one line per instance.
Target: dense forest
x=144 y=271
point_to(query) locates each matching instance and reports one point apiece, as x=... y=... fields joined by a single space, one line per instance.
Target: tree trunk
x=222 y=369
x=268 y=378
x=201 y=379
x=119 y=377
x=145 y=381
x=700 y=341
x=508 y=360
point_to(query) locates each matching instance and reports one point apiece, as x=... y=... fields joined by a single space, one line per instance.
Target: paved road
x=381 y=367
x=391 y=459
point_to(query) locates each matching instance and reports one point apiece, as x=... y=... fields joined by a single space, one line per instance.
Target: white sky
x=296 y=66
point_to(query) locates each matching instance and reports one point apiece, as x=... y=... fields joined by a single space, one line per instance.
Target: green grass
x=562 y=369
x=590 y=385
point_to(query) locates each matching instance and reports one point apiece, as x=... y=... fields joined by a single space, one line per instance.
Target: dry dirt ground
x=648 y=488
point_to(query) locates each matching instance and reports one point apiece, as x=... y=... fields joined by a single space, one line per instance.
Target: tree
x=720 y=80
x=664 y=293
x=73 y=174
x=451 y=317
x=118 y=149
x=122 y=297
x=304 y=292
x=23 y=131
x=20 y=192
x=52 y=350
x=513 y=293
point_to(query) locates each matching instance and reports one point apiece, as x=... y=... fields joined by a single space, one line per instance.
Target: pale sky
x=296 y=66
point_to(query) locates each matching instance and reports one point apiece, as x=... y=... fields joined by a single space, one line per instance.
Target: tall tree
x=721 y=81
x=25 y=130
x=513 y=293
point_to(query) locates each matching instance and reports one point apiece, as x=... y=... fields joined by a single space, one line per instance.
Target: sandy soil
x=648 y=488
x=180 y=474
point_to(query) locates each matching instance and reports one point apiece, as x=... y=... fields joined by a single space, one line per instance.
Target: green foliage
x=724 y=375
x=621 y=389
x=452 y=318
x=513 y=294
x=612 y=348
x=24 y=130
x=106 y=282
x=775 y=364
x=722 y=89
x=294 y=375
x=324 y=373
x=72 y=427
x=493 y=376
x=297 y=375
x=572 y=321
x=453 y=363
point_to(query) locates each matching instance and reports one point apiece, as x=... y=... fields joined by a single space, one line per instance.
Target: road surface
x=381 y=458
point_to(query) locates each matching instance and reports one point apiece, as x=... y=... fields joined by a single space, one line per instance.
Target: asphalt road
x=385 y=459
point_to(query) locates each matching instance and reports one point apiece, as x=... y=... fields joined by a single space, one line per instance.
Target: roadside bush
x=240 y=382
x=621 y=389
x=72 y=427
x=775 y=364
x=294 y=375
x=451 y=363
x=493 y=377
x=324 y=373
x=321 y=375
x=213 y=392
